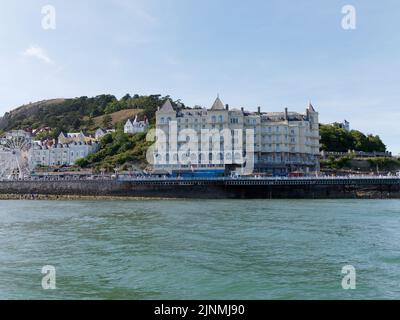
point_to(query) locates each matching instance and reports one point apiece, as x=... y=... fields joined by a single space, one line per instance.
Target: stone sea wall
x=108 y=189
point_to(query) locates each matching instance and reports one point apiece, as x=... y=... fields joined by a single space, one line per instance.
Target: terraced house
x=284 y=142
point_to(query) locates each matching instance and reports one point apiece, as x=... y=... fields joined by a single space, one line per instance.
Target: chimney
x=286 y=114
x=259 y=110
x=242 y=109
x=227 y=107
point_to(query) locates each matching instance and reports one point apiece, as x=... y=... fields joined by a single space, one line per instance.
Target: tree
x=337 y=139
x=90 y=122
x=107 y=121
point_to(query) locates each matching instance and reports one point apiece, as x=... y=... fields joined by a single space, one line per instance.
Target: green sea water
x=181 y=249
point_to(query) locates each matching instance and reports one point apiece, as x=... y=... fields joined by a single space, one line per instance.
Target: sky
x=267 y=53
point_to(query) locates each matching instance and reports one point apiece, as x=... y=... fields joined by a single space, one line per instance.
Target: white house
x=72 y=137
x=61 y=154
x=136 y=126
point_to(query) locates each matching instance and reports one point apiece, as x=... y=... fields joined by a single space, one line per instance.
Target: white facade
x=135 y=126
x=283 y=141
x=61 y=154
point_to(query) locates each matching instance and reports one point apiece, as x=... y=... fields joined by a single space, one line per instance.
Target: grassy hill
x=81 y=113
x=119 y=117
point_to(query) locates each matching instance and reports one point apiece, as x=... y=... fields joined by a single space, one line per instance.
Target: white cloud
x=37 y=52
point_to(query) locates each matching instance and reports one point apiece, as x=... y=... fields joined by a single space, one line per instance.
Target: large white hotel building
x=284 y=142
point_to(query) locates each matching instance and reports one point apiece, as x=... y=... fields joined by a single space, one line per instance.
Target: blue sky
x=270 y=53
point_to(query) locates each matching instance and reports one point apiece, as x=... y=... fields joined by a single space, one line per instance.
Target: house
x=58 y=154
x=136 y=126
x=343 y=125
x=74 y=137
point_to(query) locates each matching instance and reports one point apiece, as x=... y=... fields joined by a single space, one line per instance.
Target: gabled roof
x=310 y=107
x=218 y=105
x=167 y=107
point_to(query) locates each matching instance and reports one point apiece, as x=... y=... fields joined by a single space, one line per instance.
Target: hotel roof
x=167 y=107
x=218 y=105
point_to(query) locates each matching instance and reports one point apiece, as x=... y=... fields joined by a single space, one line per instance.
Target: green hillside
x=81 y=113
x=339 y=140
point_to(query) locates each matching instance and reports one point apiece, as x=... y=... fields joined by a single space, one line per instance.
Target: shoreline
x=65 y=197
x=52 y=197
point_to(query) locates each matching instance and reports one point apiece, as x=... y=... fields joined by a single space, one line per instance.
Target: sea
x=197 y=249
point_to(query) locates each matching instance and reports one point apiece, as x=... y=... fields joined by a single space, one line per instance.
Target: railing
x=254 y=180
x=357 y=154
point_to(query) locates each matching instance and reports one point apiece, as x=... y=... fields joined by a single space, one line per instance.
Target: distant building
x=17 y=134
x=136 y=126
x=61 y=154
x=37 y=131
x=100 y=133
x=343 y=125
x=74 y=137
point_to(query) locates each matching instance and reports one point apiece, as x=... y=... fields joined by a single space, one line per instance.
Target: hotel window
x=221 y=119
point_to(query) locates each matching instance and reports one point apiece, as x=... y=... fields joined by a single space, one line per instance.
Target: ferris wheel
x=15 y=155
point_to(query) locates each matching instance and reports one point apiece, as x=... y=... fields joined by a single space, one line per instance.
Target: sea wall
x=202 y=189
